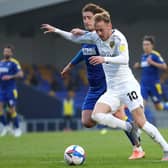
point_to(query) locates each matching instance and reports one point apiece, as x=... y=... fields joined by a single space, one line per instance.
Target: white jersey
x=122 y=87
x=115 y=51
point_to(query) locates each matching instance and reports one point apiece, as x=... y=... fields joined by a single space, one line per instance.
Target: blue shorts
x=9 y=97
x=92 y=96
x=154 y=91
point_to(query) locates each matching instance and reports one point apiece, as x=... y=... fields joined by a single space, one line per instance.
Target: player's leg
x=102 y=114
x=156 y=95
x=3 y=121
x=14 y=116
x=12 y=97
x=87 y=120
x=90 y=100
x=137 y=149
x=151 y=130
x=134 y=102
x=2 y=115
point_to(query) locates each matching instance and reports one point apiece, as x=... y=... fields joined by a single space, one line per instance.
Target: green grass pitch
x=45 y=150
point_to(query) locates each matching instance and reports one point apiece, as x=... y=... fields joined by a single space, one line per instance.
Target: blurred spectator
x=68 y=108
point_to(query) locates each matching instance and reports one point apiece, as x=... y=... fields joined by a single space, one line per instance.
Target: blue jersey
x=150 y=74
x=150 y=81
x=95 y=73
x=96 y=76
x=9 y=67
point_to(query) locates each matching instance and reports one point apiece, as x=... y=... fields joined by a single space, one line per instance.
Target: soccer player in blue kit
x=151 y=64
x=10 y=70
x=96 y=78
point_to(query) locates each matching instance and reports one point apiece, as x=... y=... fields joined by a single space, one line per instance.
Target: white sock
x=111 y=121
x=135 y=148
x=154 y=133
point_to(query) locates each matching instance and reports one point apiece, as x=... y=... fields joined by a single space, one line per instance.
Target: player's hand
x=150 y=61
x=65 y=71
x=136 y=65
x=77 y=31
x=48 y=28
x=7 y=77
x=95 y=60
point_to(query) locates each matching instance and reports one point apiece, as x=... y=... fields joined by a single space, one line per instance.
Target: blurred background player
x=151 y=65
x=10 y=70
x=96 y=77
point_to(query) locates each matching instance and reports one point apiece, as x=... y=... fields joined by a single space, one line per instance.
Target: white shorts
x=128 y=94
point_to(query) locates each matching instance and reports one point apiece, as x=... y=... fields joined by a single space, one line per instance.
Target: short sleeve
x=158 y=59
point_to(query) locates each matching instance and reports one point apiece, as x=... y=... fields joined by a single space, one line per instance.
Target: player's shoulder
x=118 y=35
x=156 y=53
x=93 y=34
x=15 y=61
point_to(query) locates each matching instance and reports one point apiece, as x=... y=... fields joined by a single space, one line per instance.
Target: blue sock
x=15 y=120
x=3 y=119
x=130 y=137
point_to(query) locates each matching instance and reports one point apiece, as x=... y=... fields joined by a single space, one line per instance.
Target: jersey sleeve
x=16 y=66
x=120 y=52
x=78 y=58
x=87 y=37
x=158 y=59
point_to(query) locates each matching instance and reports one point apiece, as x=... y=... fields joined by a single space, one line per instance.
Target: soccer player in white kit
x=122 y=87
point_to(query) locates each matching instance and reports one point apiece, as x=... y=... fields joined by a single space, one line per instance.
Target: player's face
x=88 y=20
x=147 y=46
x=104 y=30
x=7 y=52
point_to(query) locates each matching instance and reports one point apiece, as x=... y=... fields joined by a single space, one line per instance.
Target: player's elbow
x=125 y=61
x=164 y=67
x=21 y=74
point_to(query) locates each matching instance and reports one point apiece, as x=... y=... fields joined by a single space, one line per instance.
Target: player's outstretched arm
x=75 y=60
x=83 y=37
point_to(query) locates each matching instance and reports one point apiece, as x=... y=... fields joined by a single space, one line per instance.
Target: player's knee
x=140 y=123
x=88 y=123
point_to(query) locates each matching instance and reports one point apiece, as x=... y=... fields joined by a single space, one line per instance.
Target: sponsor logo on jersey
x=89 y=51
x=144 y=64
x=112 y=43
x=3 y=69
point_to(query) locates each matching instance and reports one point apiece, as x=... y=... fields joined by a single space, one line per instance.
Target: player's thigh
x=11 y=97
x=131 y=96
x=156 y=95
x=108 y=102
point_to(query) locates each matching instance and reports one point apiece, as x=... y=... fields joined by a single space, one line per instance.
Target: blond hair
x=104 y=16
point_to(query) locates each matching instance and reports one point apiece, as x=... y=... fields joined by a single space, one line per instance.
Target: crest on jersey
x=112 y=43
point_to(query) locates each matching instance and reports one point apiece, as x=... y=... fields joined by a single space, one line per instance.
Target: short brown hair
x=104 y=16
x=91 y=7
x=149 y=38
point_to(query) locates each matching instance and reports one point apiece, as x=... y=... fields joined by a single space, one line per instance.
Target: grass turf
x=45 y=150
